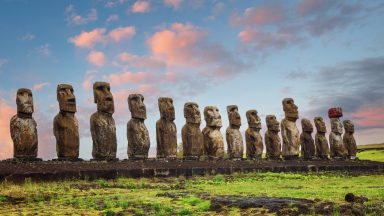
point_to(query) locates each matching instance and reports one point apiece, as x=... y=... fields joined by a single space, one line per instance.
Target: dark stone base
x=105 y=159
x=71 y=159
x=274 y=158
x=291 y=157
x=137 y=157
x=191 y=158
x=254 y=157
x=23 y=160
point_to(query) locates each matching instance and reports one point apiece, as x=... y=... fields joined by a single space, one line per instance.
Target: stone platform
x=61 y=170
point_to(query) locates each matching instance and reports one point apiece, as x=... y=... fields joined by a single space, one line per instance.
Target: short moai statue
x=233 y=135
x=321 y=142
x=213 y=140
x=338 y=150
x=24 y=128
x=103 y=128
x=253 y=139
x=66 y=125
x=307 y=143
x=191 y=134
x=349 y=139
x=289 y=130
x=166 y=133
x=137 y=132
x=272 y=139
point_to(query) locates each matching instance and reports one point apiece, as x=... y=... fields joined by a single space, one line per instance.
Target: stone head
x=272 y=123
x=349 y=127
x=320 y=125
x=212 y=116
x=24 y=101
x=136 y=106
x=66 y=98
x=103 y=97
x=290 y=109
x=336 y=126
x=192 y=113
x=233 y=116
x=254 y=120
x=167 y=110
x=306 y=125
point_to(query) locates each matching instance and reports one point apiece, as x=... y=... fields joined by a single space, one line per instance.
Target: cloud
x=148 y=62
x=127 y=77
x=87 y=83
x=140 y=6
x=75 y=19
x=6 y=144
x=44 y=50
x=96 y=58
x=121 y=33
x=217 y=9
x=39 y=86
x=3 y=62
x=112 y=4
x=28 y=37
x=173 y=3
x=112 y=18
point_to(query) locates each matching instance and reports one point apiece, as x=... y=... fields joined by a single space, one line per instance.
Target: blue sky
x=250 y=53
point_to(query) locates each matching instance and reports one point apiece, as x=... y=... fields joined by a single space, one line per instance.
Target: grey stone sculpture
x=253 y=139
x=213 y=140
x=289 y=130
x=191 y=134
x=272 y=139
x=166 y=130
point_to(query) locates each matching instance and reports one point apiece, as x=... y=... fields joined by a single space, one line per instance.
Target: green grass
x=374 y=155
x=146 y=196
x=370 y=146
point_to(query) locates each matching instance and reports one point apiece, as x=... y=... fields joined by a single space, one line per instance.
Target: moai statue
x=308 y=149
x=321 y=142
x=338 y=150
x=191 y=134
x=349 y=140
x=253 y=139
x=137 y=132
x=289 y=130
x=103 y=127
x=24 y=128
x=213 y=140
x=166 y=130
x=65 y=124
x=233 y=135
x=272 y=139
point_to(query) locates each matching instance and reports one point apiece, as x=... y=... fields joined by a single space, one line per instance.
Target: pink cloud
x=306 y=7
x=96 y=58
x=127 y=77
x=87 y=83
x=369 y=116
x=140 y=6
x=141 y=61
x=262 y=40
x=173 y=3
x=112 y=18
x=39 y=86
x=6 y=144
x=121 y=33
x=75 y=19
x=88 y=39
x=260 y=15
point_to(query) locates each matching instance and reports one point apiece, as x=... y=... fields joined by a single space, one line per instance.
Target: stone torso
x=307 y=145
x=192 y=138
x=272 y=144
x=166 y=138
x=337 y=146
x=66 y=131
x=254 y=143
x=291 y=138
x=138 y=139
x=322 y=148
x=24 y=136
x=103 y=131
x=213 y=143
x=235 y=143
x=350 y=144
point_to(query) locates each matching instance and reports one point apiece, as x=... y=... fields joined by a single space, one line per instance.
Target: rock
x=233 y=135
x=336 y=142
x=213 y=140
x=349 y=139
x=191 y=134
x=272 y=139
x=253 y=139
x=289 y=130
x=321 y=142
x=306 y=141
x=166 y=130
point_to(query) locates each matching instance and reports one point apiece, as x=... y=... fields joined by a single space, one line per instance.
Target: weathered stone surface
x=213 y=140
x=321 y=142
x=166 y=129
x=191 y=134
x=253 y=139
x=65 y=124
x=349 y=139
x=233 y=135
x=308 y=149
x=103 y=127
x=289 y=130
x=272 y=139
x=335 y=141
x=137 y=132
x=23 y=127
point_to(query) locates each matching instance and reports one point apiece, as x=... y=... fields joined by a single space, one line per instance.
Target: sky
x=250 y=53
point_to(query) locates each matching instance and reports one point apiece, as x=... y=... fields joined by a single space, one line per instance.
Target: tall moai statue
x=253 y=139
x=233 y=135
x=338 y=150
x=66 y=125
x=307 y=143
x=23 y=127
x=166 y=136
x=137 y=132
x=213 y=140
x=272 y=139
x=321 y=142
x=191 y=134
x=103 y=127
x=349 y=139
x=289 y=130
